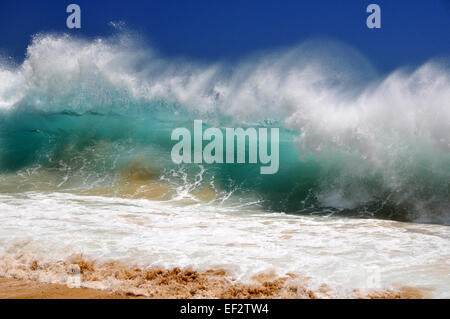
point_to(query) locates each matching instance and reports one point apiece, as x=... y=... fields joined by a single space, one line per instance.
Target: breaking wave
x=95 y=116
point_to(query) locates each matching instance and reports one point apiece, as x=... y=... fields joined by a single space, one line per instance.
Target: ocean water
x=361 y=197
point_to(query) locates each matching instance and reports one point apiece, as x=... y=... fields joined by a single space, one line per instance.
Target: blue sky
x=412 y=31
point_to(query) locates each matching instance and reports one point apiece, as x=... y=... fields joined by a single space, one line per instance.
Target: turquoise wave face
x=92 y=150
x=97 y=116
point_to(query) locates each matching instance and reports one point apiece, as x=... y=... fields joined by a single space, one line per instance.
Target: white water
x=340 y=252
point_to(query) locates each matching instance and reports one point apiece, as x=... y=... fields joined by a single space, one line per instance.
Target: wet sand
x=26 y=289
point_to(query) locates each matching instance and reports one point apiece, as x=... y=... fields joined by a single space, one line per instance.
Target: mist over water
x=95 y=116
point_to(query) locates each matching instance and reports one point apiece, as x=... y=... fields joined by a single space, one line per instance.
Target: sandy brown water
x=135 y=282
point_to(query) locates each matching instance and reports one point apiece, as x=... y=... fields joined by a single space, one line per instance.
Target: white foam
x=343 y=253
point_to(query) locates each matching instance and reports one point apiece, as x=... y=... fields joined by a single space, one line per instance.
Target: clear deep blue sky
x=412 y=31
